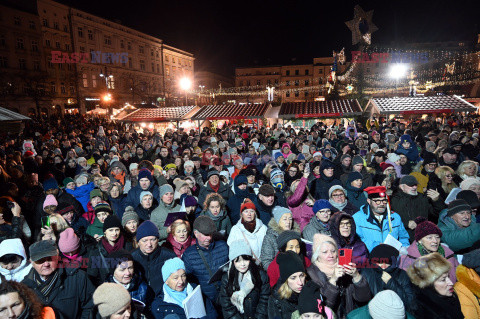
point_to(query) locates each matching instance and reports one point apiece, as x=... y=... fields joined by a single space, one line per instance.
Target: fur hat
x=427 y=269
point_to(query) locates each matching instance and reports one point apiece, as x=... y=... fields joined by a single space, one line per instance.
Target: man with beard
x=373 y=222
x=410 y=204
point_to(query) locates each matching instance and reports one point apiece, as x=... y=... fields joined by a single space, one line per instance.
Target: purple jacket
x=301 y=212
x=413 y=254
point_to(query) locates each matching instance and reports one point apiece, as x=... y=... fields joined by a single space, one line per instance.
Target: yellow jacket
x=467 y=288
x=422 y=181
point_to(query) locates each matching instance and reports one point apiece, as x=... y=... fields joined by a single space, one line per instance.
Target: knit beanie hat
x=288 y=264
x=279 y=211
x=457 y=206
x=189 y=163
x=238 y=248
x=145 y=173
x=286 y=236
x=212 y=172
x=165 y=188
x=170 y=266
x=310 y=301
x=144 y=193
x=64 y=208
x=276 y=173
x=321 y=204
x=50 y=183
x=129 y=215
x=103 y=207
x=247 y=204
x=472 y=260
x=147 y=228
x=429 y=158
x=96 y=193
x=190 y=201
x=384 y=253
x=49 y=201
x=109 y=298
x=353 y=176
x=392 y=157
x=277 y=155
x=133 y=166
x=469 y=182
x=384 y=166
x=425 y=228
x=470 y=197
x=334 y=188
x=68 y=241
x=386 y=304
x=326 y=164
x=112 y=221
x=67 y=180
x=357 y=159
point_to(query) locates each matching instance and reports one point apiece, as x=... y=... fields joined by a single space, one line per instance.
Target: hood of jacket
x=14 y=246
x=334 y=224
x=469 y=278
x=240 y=179
x=447 y=221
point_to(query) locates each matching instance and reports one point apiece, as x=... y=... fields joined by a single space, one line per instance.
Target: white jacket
x=14 y=246
x=255 y=239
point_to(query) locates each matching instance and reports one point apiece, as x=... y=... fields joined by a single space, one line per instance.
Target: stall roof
x=162 y=114
x=8 y=115
x=328 y=108
x=420 y=105
x=232 y=111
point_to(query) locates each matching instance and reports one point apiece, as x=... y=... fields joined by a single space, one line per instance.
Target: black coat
x=71 y=295
x=254 y=305
x=429 y=304
x=320 y=186
x=281 y=308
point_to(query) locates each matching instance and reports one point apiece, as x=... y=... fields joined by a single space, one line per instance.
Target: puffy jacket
x=138 y=289
x=399 y=283
x=373 y=234
x=320 y=186
x=236 y=200
x=254 y=305
x=281 y=308
x=224 y=190
x=159 y=215
x=133 y=196
x=216 y=256
x=70 y=296
x=149 y=266
x=468 y=291
x=15 y=230
x=458 y=239
x=315 y=226
x=82 y=193
x=360 y=251
x=301 y=212
x=413 y=254
x=254 y=239
x=14 y=246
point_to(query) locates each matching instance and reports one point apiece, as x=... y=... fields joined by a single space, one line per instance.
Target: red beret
x=376 y=191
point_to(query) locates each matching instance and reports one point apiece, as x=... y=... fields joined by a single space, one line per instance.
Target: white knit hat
x=393 y=157
x=386 y=304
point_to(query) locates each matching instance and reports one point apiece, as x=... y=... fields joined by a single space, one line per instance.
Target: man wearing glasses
x=373 y=222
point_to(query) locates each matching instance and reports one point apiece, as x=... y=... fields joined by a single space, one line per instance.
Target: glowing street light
x=185 y=84
x=107 y=97
x=398 y=71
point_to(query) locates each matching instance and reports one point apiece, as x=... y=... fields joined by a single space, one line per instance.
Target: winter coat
x=222 y=222
x=264 y=212
x=254 y=239
x=367 y=179
x=89 y=214
x=14 y=230
x=400 y=282
x=301 y=212
x=269 y=245
x=364 y=313
x=176 y=247
x=236 y=200
x=14 y=246
x=196 y=175
x=273 y=270
x=71 y=294
x=356 y=196
x=373 y=234
x=133 y=196
x=281 y=308
x=254 y=305
x=138 y=289
x=468 y=291
x=216 y=256
x=164 y=305
x=224 y=190
x=159 y=215
x=413 y=254
x=149 y=266
x=459 y=239
x=82 y=193
x=429 y=304
x=145 y=213
x=344 y=297
x=360 y=251
x=126 y=185
x=79 y=224
x=96 y=228
x=350 y=209
x=315 y=226
x=320 y=186
x=118 y=204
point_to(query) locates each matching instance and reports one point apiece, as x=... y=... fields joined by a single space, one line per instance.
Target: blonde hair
x=461 y=168
x=441 y=171
x=179 y=222
x=59 y=221
x=285 y=291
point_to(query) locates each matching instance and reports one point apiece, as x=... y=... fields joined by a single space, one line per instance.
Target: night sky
x=225 y=34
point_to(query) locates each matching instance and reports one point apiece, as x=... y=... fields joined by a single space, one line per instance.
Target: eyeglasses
x=380 y=201
x=449 y=176
x=345 y=225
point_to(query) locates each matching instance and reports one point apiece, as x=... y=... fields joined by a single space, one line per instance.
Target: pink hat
x=50 y=200
x=68 y=241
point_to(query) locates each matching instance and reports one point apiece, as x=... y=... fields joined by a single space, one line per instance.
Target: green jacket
x=455 y=237
x=222 y=222
x=362 y=313
x=95 y=228
x=159 y=215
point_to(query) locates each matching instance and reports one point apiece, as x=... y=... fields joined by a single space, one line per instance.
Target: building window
x=167 y=58
x=3 y=42
x=129 y=45
x=173 y=59
x=82 y=49
x=306 y=72
x=36 y=65
x=20 y=44
x=47 y=43
x=72 y=89
x=90 y=35
x=108 y=40
x=32 y=25
x=297 y=82
x=151 y=52
x=94 y=81
x=259 y=82
x=122 y=44
x=55 y=25
x=52 y=85
x=3 y=62
x=287 y=94
x=307 y=82
x=297 y=72
x=16 y=21
x=141 y=49
x=67 y=46
x=65 y=28
x=287 y=73
x=130 y=63
x=63 y=89
x=320 y=71
x=45 y=23
x=80 y=32
x=296 y=94
x=157 y=54
x=85 y=80
x=111 y=82
x=167 y=70
x=288 y=83
x=142 y=65
x=158 y=68
x=57 y=45
x=306 y=94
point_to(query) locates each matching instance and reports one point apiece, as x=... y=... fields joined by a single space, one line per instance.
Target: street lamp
x=398 y=71
x=185 y=84
x=107 y=97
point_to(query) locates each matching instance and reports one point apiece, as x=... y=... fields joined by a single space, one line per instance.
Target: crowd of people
x=372 y=219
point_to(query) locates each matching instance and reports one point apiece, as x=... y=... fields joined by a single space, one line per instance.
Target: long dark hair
x=233 y=284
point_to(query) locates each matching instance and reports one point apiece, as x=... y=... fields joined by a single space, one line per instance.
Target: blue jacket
x=82 y=193
x=118 y=205
x=216 y=256
x=372 y=234
x=235 y=201
x=133 y=196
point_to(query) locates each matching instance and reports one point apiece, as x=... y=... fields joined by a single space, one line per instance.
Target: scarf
x=109 y=248
x=213 y=217
x=246 y=286
x=338 y=206
x=124 y=286
x=120 y=177
x=215 y=188
x=177 y=296
x=249 y=226
x=424 y=251
x=45 y=286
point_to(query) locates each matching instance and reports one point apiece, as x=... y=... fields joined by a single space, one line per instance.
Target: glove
x=237 y=300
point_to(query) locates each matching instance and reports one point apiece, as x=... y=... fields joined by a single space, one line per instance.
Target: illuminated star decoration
x=361 y=26
x=340 y=56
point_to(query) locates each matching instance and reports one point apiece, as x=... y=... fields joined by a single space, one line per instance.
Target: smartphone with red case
x=344 y=256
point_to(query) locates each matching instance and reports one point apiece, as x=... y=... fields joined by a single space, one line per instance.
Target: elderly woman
x=19 y=301
x=146 y=206
x=442 y=181
x=471 y=184
x=281 y=221
x=435 y=296
x=249 y=228
x=300 y=201
x=341 y=285
x=344 y=231
x=467 y=169
x=427 y=241
x=175 y=290
x=179 y=237
x=319 y=223
x=338 y=199
x=167 y=205
x=214 y=207
x=244 y=290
